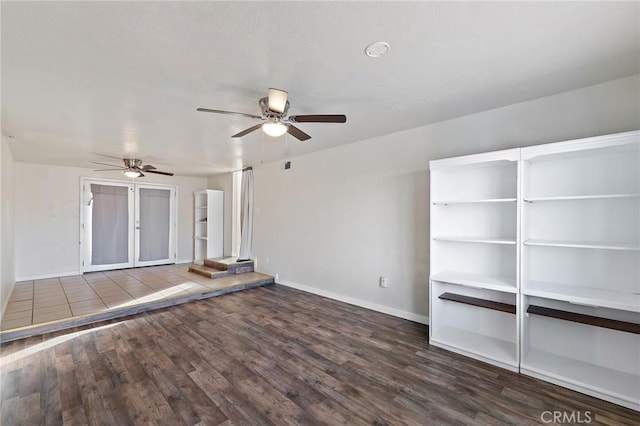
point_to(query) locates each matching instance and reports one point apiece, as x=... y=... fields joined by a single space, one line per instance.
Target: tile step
x=231 y=265
x=208 y=271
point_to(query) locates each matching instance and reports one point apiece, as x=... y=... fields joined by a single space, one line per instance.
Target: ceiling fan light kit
x=275 y=108
x=274 y=128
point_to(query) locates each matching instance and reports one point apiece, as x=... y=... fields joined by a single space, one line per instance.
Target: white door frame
x=85 y=224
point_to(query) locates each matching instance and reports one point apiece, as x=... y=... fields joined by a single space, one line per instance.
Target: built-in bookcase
x=535 y=262
x=208 y=225
x=580 y=262
x=474 y=256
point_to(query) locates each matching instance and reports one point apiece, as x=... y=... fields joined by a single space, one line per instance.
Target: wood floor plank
x=267 y=356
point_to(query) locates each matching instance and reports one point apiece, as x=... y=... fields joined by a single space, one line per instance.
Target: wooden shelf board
x=611 y=324
x=504 y=284
x=583 y=295
x=582 y=244
x=479 y=201
x=489 y=347
x=482 y=303
x=582 y=197
x=561 y=369
x=475 y=240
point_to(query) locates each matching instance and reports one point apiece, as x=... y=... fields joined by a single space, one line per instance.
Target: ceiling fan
x=133 y=168
x=274 y=117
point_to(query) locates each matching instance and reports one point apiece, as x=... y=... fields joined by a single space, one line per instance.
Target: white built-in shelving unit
x=535 y=262
x=474 y=252
x=208 y=224
x=580 y=288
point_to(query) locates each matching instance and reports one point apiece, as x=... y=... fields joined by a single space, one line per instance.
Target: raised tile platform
x=43 y=306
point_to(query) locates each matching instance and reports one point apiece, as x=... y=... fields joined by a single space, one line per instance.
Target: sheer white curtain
x=154 y=224
x=110 y=224
x=246 y=215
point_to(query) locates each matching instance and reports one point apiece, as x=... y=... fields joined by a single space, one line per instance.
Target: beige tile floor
x=41 y=301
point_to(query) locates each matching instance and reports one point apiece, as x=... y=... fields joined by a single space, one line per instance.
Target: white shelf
x=201 y=221
x=582 y=197
x=469 y=343
x=588 y=296
x=480 y=201
x=503 y=284
x=488 y=240
x=200 y=238
x=201 y=207
x=585 y=245
x=585 y=377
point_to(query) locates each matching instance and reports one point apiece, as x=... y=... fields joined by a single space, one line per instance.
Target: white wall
x=47 y=217
x=224 y=182
x=7 y=274
x=342 y=217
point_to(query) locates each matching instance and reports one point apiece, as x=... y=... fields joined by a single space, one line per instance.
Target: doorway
x=126 y=224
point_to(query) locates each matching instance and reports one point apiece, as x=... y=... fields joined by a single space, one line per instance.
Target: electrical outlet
x=384 y=282
x=266 y=260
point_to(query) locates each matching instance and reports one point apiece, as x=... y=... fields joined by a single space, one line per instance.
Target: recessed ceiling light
x=377 y=49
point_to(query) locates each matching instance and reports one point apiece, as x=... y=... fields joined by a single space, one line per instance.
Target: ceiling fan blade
x=147 y=168
x=217 y=111
x=107 y=170
x=110 y=165
x=297 y=133
x=141 y=174
x=158 y=172
x=105 y=155
x=277 y=100
x=247 y=131
x=319 y=118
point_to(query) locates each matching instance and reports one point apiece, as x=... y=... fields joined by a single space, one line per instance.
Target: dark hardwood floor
x=268 y=356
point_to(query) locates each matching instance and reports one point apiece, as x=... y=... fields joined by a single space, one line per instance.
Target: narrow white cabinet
x=580 y=259
x=208 y=227
x=474 y=256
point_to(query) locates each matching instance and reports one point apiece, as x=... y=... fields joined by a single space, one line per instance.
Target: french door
x=124 y=225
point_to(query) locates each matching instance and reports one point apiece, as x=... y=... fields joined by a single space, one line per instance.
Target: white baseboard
x=180 y=262
x=45 y=276
x=411 y=316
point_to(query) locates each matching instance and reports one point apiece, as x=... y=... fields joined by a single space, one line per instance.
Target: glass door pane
x=108 y=220
x=154 y=219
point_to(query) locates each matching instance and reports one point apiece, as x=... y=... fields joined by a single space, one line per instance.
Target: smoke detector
x=377 y=49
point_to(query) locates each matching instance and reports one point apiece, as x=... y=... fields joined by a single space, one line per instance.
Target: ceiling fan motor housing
x=132 y=163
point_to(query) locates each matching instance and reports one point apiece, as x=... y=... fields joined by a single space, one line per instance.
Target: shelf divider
x=584 y=245
x=488 y=240
x=478 y=201
x=581 y=197
x=611 y=324
x=483 y=303
x=477 y=280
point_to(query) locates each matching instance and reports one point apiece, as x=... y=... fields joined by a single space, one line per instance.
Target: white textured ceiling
x=125 y=78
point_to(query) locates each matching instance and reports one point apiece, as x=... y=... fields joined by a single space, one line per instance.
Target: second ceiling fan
x=275 y=121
